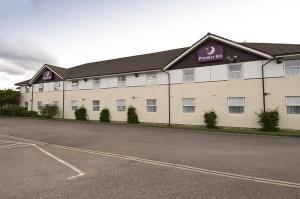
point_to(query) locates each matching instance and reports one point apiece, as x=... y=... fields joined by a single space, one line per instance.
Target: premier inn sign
x=47 y=75
x=210 y=53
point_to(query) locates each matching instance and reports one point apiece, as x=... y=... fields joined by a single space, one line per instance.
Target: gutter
x=169 y=97
x=263 y=83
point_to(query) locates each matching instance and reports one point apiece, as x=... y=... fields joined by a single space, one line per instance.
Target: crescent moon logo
x=212 y=50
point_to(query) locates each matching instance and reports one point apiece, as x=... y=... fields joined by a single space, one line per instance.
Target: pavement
x=63 y=159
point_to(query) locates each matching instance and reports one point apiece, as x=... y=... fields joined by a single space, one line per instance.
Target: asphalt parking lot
x=56 y=159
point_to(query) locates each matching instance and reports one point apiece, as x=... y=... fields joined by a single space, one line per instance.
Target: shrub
x=105 y=115
x=81 y=114
x=269 y=120
x=31 y=114
x=210 y=119
x=19 y=111
x=49 y=111
x=132 y=117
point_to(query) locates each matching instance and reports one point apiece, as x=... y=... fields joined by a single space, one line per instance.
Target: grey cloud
x=20 y=56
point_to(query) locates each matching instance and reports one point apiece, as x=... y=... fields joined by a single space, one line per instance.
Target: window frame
x=26 y=105
x=96 y=85
x=122 y=107
x=287 y=67
x=56 y=86
x=27 y=90
x=242 y=71
x=72 y=105
x=55 y=103
x=294 y=105
x=185 y=76
x=121 y=82
x=41 y=87
x=39 y=105
x=150 y=106
x=153 y=80
x=96 y=107
x=243 y=107
x=193 y=106
x=75 y=85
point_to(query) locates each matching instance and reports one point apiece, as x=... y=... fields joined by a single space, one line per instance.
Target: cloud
x=17 y=57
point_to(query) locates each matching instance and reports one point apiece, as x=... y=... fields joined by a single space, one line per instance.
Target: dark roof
x=152 y=61
x=63 y=72
x=274 y=49
x=23 y=83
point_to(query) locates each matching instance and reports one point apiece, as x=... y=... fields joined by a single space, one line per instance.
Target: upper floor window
x=121 y=106
x=75 y=85
x=188 y=75
x=27 y=89
x=41 y=87
x=74 y=105
x=121 y=81
x=235 y=71
x=292 y=67
x=96 y=83
x=188 y=105
x=293 y=105
x=56 y=86
x=96 y=105
x=236 y=105
x=151 y=105
x=151 y=79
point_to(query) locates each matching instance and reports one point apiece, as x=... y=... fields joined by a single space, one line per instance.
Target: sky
x=67 y=33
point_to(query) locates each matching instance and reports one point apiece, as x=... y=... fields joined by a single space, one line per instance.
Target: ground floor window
x=55 y=103
x=96 y=105
x=39 y=105
x=188 y=105
x=121 y=106
x=293 y=105
x=151 y=105
x=74 y=105
x=236 y=105
x=26 y=105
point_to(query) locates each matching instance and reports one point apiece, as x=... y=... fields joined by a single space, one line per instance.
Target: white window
x=293 y=105
x=188 y=75
x=292 y=67
x=121 y=106
x=121 y=81
x=151 y=105
x=151 y=79
x=56 y=86
x=41 y=87
x=96 y=83
x=74 y=105
x=188 y=105
x=235 y=71
x=75 y=85
x=27 y=89
x=26 y=105
x=39 y=105
x=55 y=103
x=96 y=105
x=236 y=105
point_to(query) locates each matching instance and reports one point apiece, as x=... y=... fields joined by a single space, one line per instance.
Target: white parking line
x=171 y=165
x=22 y=144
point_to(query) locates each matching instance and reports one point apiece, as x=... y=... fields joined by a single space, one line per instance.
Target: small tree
x=81 y=114
x=9 y=97
x=105 y=115
x=132 y=117
x=269 y=120
x=210 y=119
x=49 y=110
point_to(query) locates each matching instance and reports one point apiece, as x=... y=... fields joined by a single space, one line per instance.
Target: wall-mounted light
x=136 y=74
x=279 y=60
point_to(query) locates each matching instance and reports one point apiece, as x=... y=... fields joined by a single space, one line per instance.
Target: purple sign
x=210 y=52
x=47 y=75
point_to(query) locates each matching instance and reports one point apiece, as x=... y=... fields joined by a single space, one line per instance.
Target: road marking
x=21 y=144
x=167 y=164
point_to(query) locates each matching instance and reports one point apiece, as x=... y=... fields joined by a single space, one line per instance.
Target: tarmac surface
x=63 y=159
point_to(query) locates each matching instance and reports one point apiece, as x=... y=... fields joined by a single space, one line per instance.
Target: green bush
x=210 y=119
x=269 y=120
x=81 y=114
x=30 y=114
x=132 y=117
x=105 y=115
x=49 y=110
x=18 y=111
